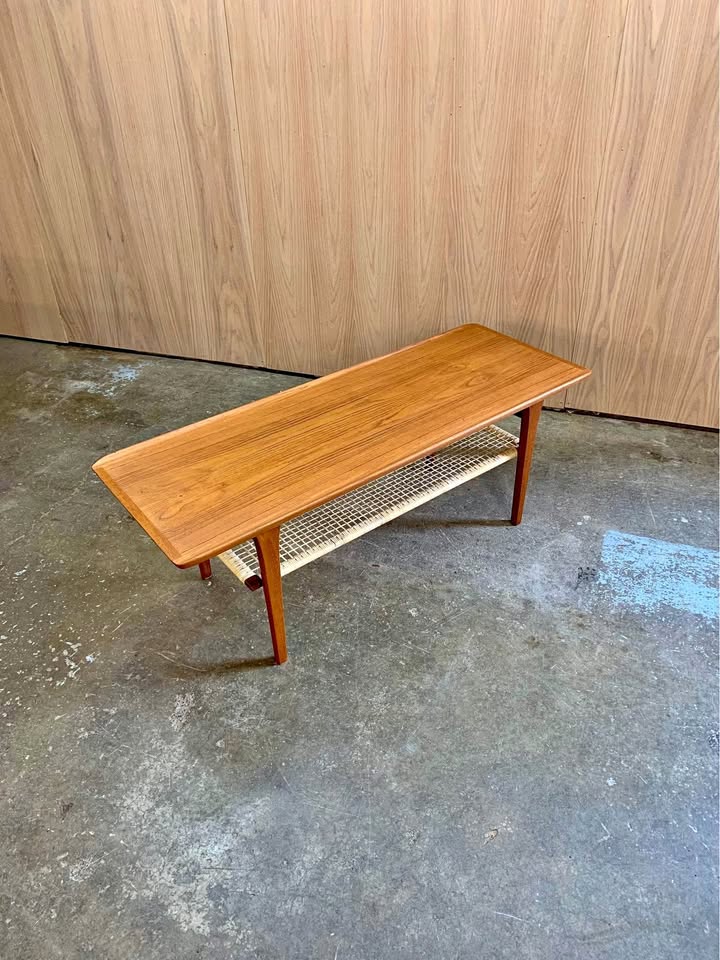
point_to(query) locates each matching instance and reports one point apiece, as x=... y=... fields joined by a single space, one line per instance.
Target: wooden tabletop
x=204 y=488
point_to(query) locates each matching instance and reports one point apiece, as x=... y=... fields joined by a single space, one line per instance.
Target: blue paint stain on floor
x=644 y=574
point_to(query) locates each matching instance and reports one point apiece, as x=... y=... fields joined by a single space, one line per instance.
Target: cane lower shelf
x=319 y=531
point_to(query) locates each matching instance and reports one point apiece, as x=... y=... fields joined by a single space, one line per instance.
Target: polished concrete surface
x=488 y=742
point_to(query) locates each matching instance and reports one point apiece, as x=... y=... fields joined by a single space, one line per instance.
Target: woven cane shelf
x=325 y=528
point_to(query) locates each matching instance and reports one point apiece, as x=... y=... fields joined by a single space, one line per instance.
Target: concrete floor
x=488 y=742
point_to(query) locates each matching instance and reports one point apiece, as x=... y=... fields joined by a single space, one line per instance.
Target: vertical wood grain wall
x=302 y=185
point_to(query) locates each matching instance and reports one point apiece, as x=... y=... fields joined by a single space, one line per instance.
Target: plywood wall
x=128 y=111
x=28 y=307
x=649 y=315
x=302 y=185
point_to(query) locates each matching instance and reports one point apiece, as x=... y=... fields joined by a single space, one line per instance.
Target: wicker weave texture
x=325 y=528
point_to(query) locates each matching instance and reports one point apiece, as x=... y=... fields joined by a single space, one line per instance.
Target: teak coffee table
x=303 y=471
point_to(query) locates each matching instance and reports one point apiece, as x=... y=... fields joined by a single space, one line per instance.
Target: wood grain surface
x=649 y=317
x=415 y=166
x=127 y=110
x=304 y=185
x=28 y=307
x=204 y=488
x=291 y=83
x=534 y=85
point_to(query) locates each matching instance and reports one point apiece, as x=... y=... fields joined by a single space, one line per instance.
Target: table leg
x=267 y=545
x=528 y=428
x=205 y=570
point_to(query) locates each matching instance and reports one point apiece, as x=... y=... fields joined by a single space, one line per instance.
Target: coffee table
x=276 y=483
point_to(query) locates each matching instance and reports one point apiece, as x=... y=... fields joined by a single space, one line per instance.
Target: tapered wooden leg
x=528 y=428
x=268 y=549
x=205 y=570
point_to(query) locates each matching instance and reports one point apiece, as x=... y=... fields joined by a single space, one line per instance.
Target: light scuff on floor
x=489 y=742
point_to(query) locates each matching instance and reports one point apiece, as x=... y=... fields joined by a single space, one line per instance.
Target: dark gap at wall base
x=311 y=376
x=661 y=423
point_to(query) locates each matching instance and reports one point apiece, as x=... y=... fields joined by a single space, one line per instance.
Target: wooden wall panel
x=290 y=68
x=423 y=179
x=534 y=92
x=345 y=114
x=128 y=110
x=649 y=317
x=303 y=185
x=414 y=166
x=27 y=301
x=377 y=108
